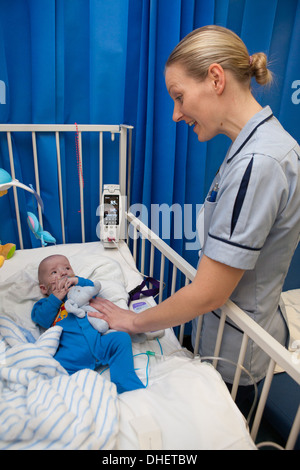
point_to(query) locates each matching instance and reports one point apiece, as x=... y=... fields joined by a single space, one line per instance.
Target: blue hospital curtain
x=63 y=61
x=170 y=166
x=102 y=62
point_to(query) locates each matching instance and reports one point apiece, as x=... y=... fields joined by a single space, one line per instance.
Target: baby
x=81 y=346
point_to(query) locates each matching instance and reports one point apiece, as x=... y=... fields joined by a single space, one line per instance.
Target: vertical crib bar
x=263 y=399
x=134 y=243
x=181 y=332
x=294 y=433
x=238 y=369
x=80 y=170
x=161 y=277
x=127 y=208
x=36 y=172
x=143 y=255
x=61 y=202
x=198 y=334
x=13 y=175
x=219 y=338
x=129 y=167
x=122 y=175
x=151 y=261
x=122 y=160
x=174 y=276
x=100 y=166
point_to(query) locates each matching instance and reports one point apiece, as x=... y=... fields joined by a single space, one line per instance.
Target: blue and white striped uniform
x=254 y=224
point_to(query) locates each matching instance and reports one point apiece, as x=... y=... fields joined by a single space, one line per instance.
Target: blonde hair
x=215 y=44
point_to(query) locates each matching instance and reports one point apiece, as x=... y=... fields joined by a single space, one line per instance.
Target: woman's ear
x=217 y=76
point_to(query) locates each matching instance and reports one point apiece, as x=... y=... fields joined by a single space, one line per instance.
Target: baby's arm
x=45 y=310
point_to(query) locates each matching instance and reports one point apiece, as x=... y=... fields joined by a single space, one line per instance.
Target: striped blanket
x=41 y=406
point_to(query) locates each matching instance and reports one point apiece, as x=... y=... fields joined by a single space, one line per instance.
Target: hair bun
x=259 y=68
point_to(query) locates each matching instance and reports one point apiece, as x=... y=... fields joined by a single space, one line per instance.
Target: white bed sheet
x=185 y=405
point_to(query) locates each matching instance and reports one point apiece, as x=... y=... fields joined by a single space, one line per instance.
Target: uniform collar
x=248 y=130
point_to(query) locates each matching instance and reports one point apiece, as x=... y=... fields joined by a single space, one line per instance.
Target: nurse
x=251 y=214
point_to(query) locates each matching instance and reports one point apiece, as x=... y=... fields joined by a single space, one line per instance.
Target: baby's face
x=54 y=268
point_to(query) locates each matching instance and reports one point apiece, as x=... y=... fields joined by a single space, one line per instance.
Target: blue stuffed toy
x=38 y=231
x=78 y=304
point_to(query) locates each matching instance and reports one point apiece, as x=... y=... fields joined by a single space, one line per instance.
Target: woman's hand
x=117 y=318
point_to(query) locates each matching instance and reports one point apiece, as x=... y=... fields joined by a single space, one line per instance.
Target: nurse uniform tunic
x=253 y=224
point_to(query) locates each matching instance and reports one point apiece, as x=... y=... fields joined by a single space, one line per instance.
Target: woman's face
x=194 y=102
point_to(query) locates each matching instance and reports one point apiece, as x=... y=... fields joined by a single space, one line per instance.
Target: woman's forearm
x=175 y=310
x=212 y=286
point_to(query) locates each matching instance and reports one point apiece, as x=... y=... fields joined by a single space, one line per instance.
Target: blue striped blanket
x=41 y=406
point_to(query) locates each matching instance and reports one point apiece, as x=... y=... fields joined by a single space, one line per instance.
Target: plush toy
x=6 y=252
x=38 y=231
x=5 y=181
x=78 y=304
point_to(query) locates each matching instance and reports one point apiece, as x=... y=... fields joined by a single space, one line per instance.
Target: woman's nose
x=177 y=114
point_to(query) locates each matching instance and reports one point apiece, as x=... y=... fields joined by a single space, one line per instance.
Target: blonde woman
x=251 y=221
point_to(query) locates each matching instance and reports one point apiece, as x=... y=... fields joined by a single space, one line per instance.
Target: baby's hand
x=61 y=287
x=72 y=281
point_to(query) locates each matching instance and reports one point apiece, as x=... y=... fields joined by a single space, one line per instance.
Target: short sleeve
x=252 y=192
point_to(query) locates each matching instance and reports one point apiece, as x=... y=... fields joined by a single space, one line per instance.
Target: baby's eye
x=53 y=272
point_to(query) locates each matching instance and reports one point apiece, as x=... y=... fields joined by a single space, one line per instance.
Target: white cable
x=269 y=444
x=246 y=371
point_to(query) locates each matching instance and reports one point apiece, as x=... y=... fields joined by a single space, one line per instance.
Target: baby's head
x=52 y=268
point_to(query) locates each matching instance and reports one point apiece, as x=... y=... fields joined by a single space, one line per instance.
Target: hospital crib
x=149 y=252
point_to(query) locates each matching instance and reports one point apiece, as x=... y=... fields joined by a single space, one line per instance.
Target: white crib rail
x=276 y=352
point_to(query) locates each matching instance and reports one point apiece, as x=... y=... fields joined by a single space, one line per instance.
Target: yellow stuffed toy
x=6 y=252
